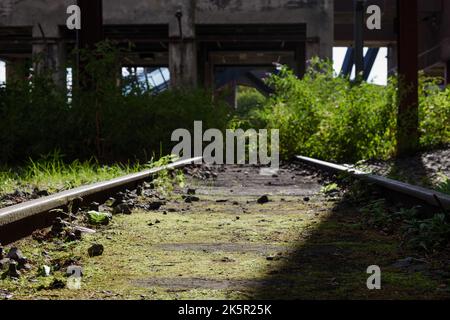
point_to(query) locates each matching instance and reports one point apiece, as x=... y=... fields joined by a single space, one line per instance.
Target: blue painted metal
x=243 y=75
x=349 y=61
x=369 y=61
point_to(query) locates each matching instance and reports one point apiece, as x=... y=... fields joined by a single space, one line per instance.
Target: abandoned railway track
x=232 y=232
x=22 y=219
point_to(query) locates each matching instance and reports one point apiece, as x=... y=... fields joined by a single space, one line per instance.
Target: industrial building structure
x=202 y=40
x=223 y=43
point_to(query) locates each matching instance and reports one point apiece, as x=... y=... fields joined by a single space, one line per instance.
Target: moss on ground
x=284 y=249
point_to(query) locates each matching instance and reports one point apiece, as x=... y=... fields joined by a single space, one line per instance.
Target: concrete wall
x=318 y=14
x=47 y=16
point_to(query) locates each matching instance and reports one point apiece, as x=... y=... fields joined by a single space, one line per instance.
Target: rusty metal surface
x=28 y=209
x=431 y=197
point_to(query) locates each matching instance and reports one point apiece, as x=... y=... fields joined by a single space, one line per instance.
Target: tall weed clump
x=114 y=120
x=330 y=117
x=434 y=112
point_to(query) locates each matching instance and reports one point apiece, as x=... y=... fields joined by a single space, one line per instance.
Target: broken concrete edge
x=431 y=197
x=27 y=209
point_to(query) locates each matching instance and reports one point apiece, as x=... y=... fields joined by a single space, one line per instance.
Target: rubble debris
x=4 y=263
x=44 y=271
x=57 y=284
x=190 y=199
x=12 y=270
x=264 y=199
x=155 y=205
x=58 y=226
x=15 y=254
x=110 y=202
x=94 y=206
x=122 y=208
x=95 y=250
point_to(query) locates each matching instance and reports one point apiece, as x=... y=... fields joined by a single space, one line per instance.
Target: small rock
x=263 y=199
x=58 y=226
x=235 y=203
x=57 y=284
x=221 y=200
x=42 y=193
x=306 y=199
x=4 y=263
x=122 y=208
x=155 y=206
x=191 y=191
x=15 y=254
x=406 y=263
x=23 y=264
x=44 y=271
x=190 y=199
x=12 y=270
x=95 y=250
x=94 y=206
x=140 y=191
x=110 y=202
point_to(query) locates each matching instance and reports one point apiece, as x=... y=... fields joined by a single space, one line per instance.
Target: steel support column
x=447 y=73
x=91 y=32
x=407 y=119
x=359 y=40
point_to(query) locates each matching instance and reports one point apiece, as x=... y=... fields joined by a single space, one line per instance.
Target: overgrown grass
x=418 y=232
x=335 y=119
x=52 y=174
x=444 y=186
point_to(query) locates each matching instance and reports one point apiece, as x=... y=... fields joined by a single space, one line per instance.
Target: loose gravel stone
x=263 y=200
x=96 y=250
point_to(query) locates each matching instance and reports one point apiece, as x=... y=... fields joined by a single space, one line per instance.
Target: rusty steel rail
x=21 y=219
x=431 y=197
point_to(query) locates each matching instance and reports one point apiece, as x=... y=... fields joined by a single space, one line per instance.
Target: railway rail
x=19 y=221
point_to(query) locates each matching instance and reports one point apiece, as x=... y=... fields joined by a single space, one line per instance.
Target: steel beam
x=369 y=61
x=407 y=119
x=348 y=63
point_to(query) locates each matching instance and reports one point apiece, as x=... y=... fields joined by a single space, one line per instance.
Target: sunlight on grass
x=51 y=173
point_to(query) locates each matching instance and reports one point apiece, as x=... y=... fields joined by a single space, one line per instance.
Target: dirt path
x=301 y=244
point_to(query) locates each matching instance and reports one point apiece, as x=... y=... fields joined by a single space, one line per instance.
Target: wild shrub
x=109 y=121
x=332 y=118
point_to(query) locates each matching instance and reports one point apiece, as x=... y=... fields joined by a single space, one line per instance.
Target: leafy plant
x=444 y=186
x=98 y=218
x=329 y=188
x=428 y=234
x=165 y=180
x=332 y=118
x=107 y=121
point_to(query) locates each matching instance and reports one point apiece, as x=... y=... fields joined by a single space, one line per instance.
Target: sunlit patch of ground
x=288 y=248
